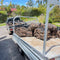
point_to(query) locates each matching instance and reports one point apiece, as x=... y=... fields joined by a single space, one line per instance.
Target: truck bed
x=52 y=46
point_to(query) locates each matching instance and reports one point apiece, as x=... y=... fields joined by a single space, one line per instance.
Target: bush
x=3 y=16
x=35 y=12
x=42 y=9
x=50 y=20
x=55 y=14
x=26 y=12
x=18 y=12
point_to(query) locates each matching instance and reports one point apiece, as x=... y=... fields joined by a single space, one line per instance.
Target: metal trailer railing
x=32 y=53
x=54 y=3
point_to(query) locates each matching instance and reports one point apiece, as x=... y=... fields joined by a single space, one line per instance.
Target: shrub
x=42 y=9
x=3 y=16
x=26 y=12
x=55 y=14
x=29 y=11
x=35 y=12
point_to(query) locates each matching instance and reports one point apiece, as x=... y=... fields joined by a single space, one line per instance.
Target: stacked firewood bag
x=37 y=30
x=23 y=32
x=39 y=33
x=58 y=33
x=32 y=27
x=53 y=30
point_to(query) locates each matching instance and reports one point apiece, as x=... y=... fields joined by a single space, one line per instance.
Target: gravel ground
x=8 y=49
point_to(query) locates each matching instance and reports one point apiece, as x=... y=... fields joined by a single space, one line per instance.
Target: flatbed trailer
x=32 y=45
x=36 y=49
x=30 y=51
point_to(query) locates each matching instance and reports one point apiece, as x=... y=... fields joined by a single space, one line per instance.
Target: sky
x=20 y=2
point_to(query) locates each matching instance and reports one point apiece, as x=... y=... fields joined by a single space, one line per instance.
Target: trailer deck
x=52 y=46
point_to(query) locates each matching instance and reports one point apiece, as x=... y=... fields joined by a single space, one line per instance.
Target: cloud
x=6 y=3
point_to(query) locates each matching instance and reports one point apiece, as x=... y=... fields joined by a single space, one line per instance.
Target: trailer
x=36 y=49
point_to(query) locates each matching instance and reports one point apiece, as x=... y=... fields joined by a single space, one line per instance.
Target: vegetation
x=3 y=16
x=30 y=10
x=2 y=24
x=57 y=24
x=55 y=15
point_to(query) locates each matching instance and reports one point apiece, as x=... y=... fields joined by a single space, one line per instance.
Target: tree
x=30 y=3
x=8 y=9
x=1 y=4
x=45 y=1
x=55 y=14
x=10 y=5
x=38 y=2
x=41 y=2
x=18 y=7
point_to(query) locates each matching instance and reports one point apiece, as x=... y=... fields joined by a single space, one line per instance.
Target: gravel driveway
x=8 y=49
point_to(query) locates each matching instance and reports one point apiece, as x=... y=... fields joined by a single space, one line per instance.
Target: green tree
x=18 y=7
x=10 y=5
x=30 y=3
x=1 y=4
x=39 y=2
x=55 y=14
x=45 y=1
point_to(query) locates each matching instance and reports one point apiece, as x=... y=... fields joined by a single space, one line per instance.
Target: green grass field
x=2 y=24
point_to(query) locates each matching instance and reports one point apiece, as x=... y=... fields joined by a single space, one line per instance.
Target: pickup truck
x=9 y=24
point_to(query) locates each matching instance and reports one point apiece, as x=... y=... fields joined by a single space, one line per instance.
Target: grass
x=57 y=24
x=40 y=19
x=2 y=24
x=29 y=19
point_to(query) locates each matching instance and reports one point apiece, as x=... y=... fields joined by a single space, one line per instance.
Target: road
x=8 y=49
